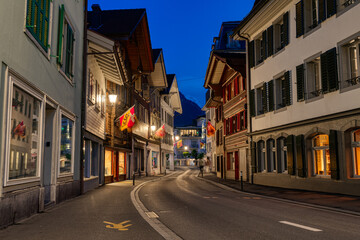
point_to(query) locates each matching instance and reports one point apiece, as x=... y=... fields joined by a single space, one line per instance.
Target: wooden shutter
x=287 y=83
x=300 y=87
x=271 y=95
x=286 y=28
x=290 y=154
x=330 y=7
x=253 y=157
x=265 y=97
x=264 y=45
x=324 y=73
x=300 y=18
x=30 y=15
x=332 y=69
x=270 y=41
x=69 y=52
x=334 y=155
x=300 y=156
x=322 y=10
x=252 y=102
x=60 y=34
x=251 y=54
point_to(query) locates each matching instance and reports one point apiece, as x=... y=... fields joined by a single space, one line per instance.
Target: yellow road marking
x=119 y=226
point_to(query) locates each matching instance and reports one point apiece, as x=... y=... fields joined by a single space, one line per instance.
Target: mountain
x=190 y=111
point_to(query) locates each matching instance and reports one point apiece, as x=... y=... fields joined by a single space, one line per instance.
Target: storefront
x=115 y=165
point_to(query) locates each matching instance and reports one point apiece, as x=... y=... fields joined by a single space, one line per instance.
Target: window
x=281 y=30
x=321 y=155
x=97 y=94
x=311 y=14
x=261 y=155
x=280 y=93
x=66 y=145
x=350 y=56
x=281 y=154
x=259 y=50
x=260 y=101
x=356 y=152
x=271 y=160
x=66 y=43
x=91 y=88
x=102 y=95
x=37 y=21
x=154 y=158
x=313 y=83
x=108 y=163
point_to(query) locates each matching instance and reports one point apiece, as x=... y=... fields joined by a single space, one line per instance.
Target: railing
x=353 y=81
x=316 y=93
x=349 y=2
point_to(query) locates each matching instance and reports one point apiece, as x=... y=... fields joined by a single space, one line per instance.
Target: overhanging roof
x=158 y=77
x=102 y=49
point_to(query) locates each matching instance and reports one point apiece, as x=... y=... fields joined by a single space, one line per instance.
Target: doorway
x=49 y=150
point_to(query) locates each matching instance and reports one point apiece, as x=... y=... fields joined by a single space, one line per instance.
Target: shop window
x=37 y=21
x=66 y=145
x=261 y=155
x=321 y=155
x=356 y=152
x=24 y=136
x=155 y=156
x=281 y=154
x=271 y=160
x=108 y=163
x=350 y=56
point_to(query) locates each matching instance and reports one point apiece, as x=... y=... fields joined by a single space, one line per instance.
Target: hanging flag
x=160 y=133
x=179 y=144
x=202 y=145
x=127 y=120
x=210 y=129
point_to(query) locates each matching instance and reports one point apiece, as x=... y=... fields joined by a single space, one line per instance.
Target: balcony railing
x=353 y=81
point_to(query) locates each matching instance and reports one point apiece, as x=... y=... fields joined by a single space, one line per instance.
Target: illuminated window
x=261 y=155
x=321 y=155
x=356 y=152
x=108 y=163
x=66 y=145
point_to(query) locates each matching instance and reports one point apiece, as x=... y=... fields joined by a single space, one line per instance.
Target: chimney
x=96 y=7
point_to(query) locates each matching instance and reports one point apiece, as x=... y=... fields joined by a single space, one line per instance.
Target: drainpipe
x=248 y=75
x=83 y=99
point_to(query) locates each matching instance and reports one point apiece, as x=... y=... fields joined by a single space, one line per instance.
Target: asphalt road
x=195 y=209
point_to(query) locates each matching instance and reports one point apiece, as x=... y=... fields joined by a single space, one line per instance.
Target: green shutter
x=290 y=154
x=324 y=73
x=271 y=95
x=334 y=155
x=300 y=156
x=286 y=28
x=265 y=98
x=264 y=45
x=287 y=83
x=332 y=70
x=69 y=52
x=251 y=54
x=60 y=34
x=253 y=157
x=330 y=7
x=252 y=102
x=299 y=18
x=30 y=14
x=270 y=41
x=322 y=10
x=300 y=83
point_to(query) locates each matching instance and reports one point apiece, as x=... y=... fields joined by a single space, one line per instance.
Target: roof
x=258 y=4
x=156 y=54
x=236 y=61
x=121 y=22
x=170 y=80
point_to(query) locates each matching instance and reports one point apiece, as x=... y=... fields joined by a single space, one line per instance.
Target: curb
x=294 y=202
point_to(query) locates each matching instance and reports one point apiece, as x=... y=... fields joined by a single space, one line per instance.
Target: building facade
x=40 y=99
x=303 y=117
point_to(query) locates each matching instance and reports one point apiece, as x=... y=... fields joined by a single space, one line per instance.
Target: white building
x=304 y=93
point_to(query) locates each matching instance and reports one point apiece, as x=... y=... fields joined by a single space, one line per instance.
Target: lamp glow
x=186 y=148
x=177 y=138
x=112 y=98
x=153 y=128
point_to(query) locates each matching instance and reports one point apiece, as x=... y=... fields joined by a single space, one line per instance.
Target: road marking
x=301 y=226
x=152 y=215
x=119 y=226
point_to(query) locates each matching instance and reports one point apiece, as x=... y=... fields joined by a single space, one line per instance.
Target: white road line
x=301 y=226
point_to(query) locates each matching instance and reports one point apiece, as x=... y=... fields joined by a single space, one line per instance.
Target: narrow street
x=189 y=207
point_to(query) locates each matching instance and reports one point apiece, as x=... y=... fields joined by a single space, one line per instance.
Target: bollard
x=241 y=180
x=134 y=179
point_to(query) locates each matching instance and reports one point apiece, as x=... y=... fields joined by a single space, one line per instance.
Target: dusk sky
x=185 y=30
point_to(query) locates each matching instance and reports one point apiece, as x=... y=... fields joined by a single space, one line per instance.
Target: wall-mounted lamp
x=112 y=98
x=153 y=128
x=177 y=138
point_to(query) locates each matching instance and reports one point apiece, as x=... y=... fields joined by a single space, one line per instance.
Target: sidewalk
x=329 y=200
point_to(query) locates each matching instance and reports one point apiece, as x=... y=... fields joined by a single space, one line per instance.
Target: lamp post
x=112 y=99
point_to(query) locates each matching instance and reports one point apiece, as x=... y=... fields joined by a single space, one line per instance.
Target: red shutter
x=236 y=86
x=225 y=127
x=238 y=123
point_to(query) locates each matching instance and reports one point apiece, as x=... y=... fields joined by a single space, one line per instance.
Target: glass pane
x=154 y=159
x=321 y=140
x=66 y=145
x=24 y=137
x=121 y=163
x=327 y=158
x=357 y=136
x=357 y=160
x=108 y=163
x=319 y=162
x=353 y=61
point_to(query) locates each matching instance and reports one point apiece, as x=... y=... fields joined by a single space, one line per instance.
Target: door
x=49 y=178
x=236 y=165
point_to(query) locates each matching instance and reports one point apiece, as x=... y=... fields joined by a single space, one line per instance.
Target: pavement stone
x=329 y=200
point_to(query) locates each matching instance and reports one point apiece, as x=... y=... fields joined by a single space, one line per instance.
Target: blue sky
x=184 y=29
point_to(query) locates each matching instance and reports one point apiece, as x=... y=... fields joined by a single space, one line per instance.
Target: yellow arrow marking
x=119 y=226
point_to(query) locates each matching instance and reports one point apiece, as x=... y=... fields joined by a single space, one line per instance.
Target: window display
x=122 y=163
x=321 y=155
x=66 y=147
x=24 y=135
x=108 y=160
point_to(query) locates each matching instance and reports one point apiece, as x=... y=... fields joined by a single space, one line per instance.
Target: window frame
x=309 y=79
x=64 y=113
x=347 y=82
x=15 y=81
x=281 y=148
x=354 y=145
x=323 y=149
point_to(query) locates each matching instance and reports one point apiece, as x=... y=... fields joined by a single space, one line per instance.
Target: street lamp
x=153 y=128
x=186 y=147
x=177 y=138
x=112 y=98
